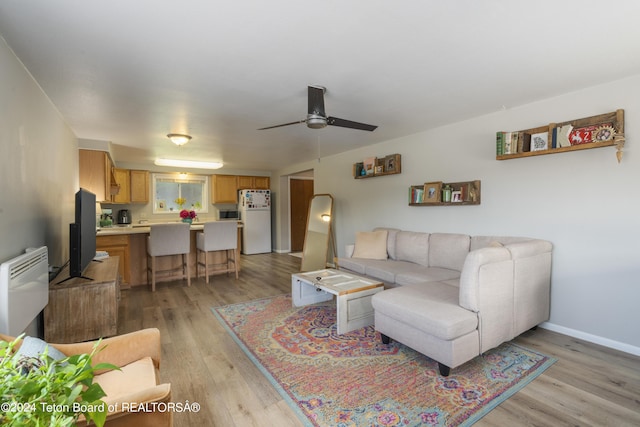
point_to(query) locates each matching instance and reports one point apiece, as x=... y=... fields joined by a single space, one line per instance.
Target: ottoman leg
x=385 y=339
x=444 y=369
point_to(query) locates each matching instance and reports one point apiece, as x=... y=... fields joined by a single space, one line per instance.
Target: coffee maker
x=124 y=216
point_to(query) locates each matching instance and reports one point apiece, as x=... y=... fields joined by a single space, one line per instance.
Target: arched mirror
x=318 y=236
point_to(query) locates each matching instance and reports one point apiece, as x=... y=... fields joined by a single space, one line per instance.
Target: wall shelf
x=431 y=194
x=586 y=133
x=378 y=166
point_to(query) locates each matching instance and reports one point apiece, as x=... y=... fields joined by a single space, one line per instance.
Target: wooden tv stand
x=82 y=309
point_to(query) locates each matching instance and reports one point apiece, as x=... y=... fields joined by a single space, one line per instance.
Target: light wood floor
x=589 y=385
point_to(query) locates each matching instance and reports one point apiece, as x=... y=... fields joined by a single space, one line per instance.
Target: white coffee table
x=353 y=295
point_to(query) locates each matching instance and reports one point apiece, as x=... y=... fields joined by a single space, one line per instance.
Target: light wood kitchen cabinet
x=253 y=182
x=139 y=186
x=117 y=246
x=262 y=182
x=245 y=182
x=224 y=189
x=96 y=174
x=122 y=177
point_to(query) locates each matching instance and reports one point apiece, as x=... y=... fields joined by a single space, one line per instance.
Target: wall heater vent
x=24 y=290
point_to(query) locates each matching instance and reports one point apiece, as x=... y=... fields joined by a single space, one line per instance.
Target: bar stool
x=164 y=240
x=217 y=236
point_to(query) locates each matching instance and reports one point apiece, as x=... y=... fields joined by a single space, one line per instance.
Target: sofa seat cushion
x=425 y=274
x=432 y=308
x=357 y=265
x=132 y=378
x=388 y=271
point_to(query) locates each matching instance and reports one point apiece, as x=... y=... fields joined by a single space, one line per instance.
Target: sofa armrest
x=348 y=250
x=130 y=401
x=481 y=268
x=121 y=349
x=486 y=288
x=140 y=408
x=531 y=283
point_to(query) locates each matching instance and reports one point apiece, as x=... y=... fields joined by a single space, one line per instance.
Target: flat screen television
x=82 y=234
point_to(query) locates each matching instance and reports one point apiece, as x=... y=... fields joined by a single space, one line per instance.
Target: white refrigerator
x=255 y=213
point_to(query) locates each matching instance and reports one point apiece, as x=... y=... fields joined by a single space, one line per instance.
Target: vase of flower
x=187 y=216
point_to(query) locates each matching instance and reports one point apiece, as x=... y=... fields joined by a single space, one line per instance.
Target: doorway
x=300 y=194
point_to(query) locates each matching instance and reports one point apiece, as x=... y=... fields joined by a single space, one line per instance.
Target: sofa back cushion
x=413 y=247
x=448 y=250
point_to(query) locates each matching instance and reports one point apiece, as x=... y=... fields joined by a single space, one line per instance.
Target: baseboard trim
x=616 y=345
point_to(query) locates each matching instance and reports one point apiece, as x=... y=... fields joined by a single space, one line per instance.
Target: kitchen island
x=130 y=244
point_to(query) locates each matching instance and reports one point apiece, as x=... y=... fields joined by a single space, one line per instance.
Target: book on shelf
x=507 y=143
x=416 y=194
x=499 y=143
x=526 y=142
x=512 y=142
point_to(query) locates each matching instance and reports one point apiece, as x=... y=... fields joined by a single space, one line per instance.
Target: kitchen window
x=174 y=192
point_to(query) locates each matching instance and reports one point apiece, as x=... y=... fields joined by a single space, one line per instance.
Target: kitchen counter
x=118 y=230
x=129 y=242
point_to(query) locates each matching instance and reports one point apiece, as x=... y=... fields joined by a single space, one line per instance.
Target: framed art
x=379 y=169
x=369 y=164
x=456 y=196
x=390 y=163
x=540 y=141
x=432 y=191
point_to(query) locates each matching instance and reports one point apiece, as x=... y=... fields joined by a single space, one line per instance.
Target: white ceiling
x=130 y=72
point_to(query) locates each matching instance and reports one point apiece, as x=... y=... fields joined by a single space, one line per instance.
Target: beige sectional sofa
x=453 y=296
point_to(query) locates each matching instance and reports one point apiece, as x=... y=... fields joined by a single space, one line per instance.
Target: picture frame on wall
x=432 y=192
x=390 y=163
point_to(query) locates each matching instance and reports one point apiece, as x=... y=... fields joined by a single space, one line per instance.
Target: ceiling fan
x=317 y=118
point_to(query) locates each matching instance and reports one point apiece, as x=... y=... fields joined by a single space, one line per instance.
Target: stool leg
x=153 y=274
x=185 y=267
x=235 y=261
x=197 y=264
x=206 y=267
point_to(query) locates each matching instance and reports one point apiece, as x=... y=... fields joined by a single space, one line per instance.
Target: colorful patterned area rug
x=355 y=380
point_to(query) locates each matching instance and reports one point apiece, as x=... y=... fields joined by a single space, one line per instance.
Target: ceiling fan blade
x=316 y=100
x=285 y=124
x=335 y=121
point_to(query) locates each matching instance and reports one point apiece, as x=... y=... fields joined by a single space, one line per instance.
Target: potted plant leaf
x=45 y=391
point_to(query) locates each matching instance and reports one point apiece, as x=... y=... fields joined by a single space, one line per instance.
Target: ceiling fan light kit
x=179 y=138
x=317 y=118
x=315 y=121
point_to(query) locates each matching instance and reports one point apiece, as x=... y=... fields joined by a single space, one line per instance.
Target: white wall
x=38 y=166
x=38 y=169
x=584 y=202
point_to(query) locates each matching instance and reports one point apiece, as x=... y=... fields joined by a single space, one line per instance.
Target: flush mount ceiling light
x=188 y=164
x=178 y=138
